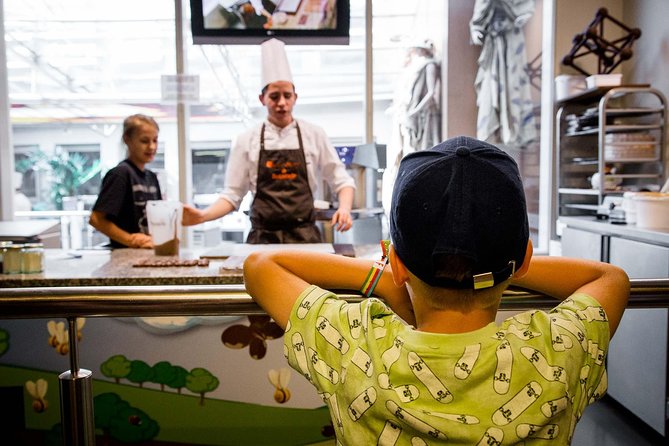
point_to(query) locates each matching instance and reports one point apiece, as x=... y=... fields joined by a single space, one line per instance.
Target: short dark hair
x=453 y=266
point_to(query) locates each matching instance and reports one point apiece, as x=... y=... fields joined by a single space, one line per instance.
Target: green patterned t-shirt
x=386 y=383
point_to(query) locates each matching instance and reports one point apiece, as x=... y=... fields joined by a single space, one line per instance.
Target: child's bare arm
x=276 y=279
x=561 y=276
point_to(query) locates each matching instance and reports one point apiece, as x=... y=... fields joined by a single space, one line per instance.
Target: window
x=209 y=166
x=85 y=158
x=76 y=73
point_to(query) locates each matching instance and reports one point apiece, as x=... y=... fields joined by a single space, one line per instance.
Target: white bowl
x=568 y=85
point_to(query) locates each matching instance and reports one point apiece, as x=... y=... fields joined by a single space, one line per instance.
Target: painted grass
x=183 y=420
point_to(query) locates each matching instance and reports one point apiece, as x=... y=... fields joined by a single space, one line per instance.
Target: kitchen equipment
x=652 y=210
x=46 y=231
x=603 y=80
x=629 y=206
x=665 y=187
x=568 y=85
x=611 y=206
x=610 y=183
x=365 y=164
x=629 y=145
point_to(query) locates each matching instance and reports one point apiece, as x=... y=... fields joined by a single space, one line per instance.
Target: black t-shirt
x=123 y=195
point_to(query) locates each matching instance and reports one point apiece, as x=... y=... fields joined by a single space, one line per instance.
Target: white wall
x=650 y=62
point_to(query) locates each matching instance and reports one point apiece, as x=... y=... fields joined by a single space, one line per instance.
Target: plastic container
x=603 y=80
x=629 y=206
x=652 y=210
x=623 y=151
x=12 y=259
x=568 y=85
x=32 y=258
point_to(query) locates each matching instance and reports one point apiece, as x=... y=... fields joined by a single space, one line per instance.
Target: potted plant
x=66 y=172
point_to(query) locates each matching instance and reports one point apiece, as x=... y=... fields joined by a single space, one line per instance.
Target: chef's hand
x=139 y=240
x=342 y=220
x=191 y=215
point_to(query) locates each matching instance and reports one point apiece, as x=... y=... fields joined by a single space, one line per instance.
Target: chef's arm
x=136 y=240
x=218 y=209
x=342 y=220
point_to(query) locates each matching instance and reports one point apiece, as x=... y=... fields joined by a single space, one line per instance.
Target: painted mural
x=161 y=381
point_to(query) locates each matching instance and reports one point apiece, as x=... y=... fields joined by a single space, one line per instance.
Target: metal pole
x=76 y=397
x=109 y=301
x=369 y=75
x=216 y=300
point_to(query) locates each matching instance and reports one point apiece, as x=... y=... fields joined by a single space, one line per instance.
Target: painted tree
x=121 y=421
x=140 y=372
x=117 y=367
x=163 y=373
x=201 y=381
x=179 y=379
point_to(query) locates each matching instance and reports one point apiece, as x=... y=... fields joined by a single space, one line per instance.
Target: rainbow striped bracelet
x=376 y=270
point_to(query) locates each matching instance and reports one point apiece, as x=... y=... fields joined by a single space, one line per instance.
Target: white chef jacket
x=323 y=163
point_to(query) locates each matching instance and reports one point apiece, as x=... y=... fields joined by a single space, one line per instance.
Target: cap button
x=463 y=151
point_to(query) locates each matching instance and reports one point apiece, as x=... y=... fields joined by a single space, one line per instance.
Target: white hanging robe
x=505 y=108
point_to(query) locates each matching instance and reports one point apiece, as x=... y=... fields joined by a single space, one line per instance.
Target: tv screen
x=239 y=22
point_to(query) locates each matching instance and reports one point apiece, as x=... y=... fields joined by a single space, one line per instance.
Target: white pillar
x=183 y=116
x=6 y=148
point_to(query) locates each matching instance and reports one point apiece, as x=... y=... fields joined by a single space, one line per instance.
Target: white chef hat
x=274 y=62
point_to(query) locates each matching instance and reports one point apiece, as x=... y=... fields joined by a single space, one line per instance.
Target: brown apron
x=282 y=210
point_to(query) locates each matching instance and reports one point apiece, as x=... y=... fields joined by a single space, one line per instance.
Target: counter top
x=589 y=223
x=105 y=284
x=115 y=268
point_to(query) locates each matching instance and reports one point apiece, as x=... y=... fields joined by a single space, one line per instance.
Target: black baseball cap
x=461 y=197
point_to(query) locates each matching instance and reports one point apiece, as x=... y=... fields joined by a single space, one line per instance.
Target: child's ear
x=400 y=272
x=526 y=261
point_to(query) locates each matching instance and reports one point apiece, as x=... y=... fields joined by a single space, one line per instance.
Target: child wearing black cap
x=429 y=364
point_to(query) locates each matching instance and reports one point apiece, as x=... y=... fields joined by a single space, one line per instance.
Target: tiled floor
x=606 y=423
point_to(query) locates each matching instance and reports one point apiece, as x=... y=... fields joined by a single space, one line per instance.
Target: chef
x=281 y=161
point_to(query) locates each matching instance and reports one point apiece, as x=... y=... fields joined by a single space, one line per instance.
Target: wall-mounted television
x=241 y=22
